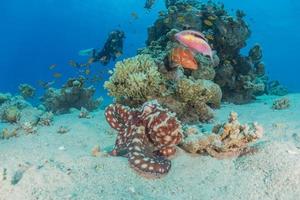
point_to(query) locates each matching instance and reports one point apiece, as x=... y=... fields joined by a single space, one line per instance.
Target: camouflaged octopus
x=146 y=136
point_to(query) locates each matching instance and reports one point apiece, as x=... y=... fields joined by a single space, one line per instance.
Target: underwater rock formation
x=240 y=77
x=227 y=140
x=139 y=79
x=73 y=94
x=21 y=117
x=147 y=136
x=11 y=108
x=275 y=88
x=4 y=97
x=149 y=3
x=281 y=104
x=26 y=91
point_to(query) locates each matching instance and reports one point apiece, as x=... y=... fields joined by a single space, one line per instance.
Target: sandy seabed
x=52 y=166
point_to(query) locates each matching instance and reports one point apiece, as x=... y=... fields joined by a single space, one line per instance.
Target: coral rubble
x=281 y=104
x=147 y=136
x=275 y=88
x=227 y=140
x=21 y=117
x=26 y=91
x=73 y=94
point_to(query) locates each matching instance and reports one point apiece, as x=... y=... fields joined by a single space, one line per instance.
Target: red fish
x=195 y=41
x=184 y=57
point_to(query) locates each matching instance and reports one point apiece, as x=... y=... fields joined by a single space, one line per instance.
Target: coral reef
x=73 y=94
x=84 y=113
x=149 y=3
x=241 y=78
x=21 y=117
x=4 y=97
x=11 y=108
x=135 y=80
x=46 y=119
x=27 y=91
x=281 y=104
x=9 y=132
x=146 y=136
x=138 y=79
x=227 y=140
x=275 y=88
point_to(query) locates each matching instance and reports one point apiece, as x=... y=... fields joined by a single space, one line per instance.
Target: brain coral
x=135 y=79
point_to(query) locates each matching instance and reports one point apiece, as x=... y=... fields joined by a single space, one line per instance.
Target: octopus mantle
x=146 y=136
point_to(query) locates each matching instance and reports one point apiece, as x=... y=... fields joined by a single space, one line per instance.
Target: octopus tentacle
x=144 y=161
x=147 y=136
x=117 y=116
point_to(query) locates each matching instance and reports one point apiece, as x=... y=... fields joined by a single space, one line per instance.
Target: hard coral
x=147 y=136
x=281 y=104
x=72 y=95
x=26 y=91
x=227 y=140
x=275 y=88
x=4 y=97
x=135 y=79
x=241 y=78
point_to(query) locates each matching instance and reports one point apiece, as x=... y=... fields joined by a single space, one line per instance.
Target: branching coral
x=72 y=95
x=135 y=79
x=227 y=140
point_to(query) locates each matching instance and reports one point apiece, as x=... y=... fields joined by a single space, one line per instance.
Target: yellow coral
x=199 y=91
x=135 y=78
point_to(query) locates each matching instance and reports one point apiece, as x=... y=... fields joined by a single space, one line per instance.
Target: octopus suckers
x=137 y=161
x=144 y=166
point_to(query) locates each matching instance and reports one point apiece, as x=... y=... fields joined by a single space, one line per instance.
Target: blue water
x=37 y=33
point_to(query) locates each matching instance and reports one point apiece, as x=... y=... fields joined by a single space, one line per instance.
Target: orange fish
x=184 y=57
x=57 y=75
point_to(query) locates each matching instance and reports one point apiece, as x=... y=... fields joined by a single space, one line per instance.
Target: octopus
x=146 y=136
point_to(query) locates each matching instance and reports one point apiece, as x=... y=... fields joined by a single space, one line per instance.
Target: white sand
x=45 y=172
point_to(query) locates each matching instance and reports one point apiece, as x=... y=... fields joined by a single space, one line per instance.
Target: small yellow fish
x=103 y=58
x=52 y=66
x=57 y=75
x=227 y=62
x=161 y=13
x=212 y=17
x=87 y=72
x=72 y=63
x=210 y=37
x=134 y=15
x=167 y=20
x=118 y=54
x=208 y=23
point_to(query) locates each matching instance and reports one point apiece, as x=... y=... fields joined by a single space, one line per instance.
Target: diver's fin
x=86 y=52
